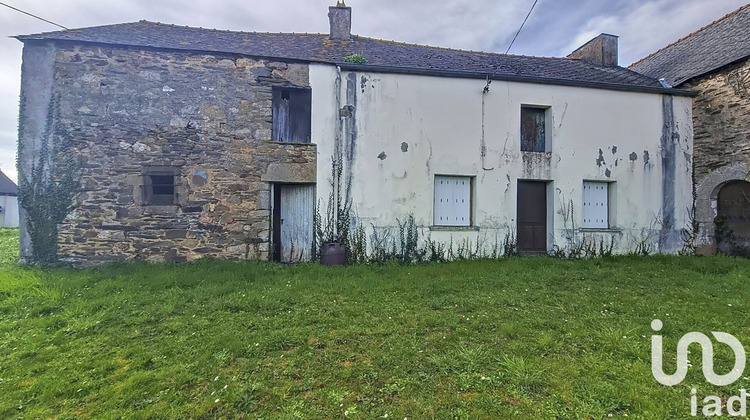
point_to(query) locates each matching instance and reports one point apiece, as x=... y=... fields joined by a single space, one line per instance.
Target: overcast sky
x=555 y=28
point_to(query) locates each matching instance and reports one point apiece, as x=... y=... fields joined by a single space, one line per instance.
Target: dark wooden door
x=733 y=221
x=531 y=214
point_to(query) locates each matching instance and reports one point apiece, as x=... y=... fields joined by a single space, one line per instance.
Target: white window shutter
x=441 y=200
x=595 y=205
x=452 y=200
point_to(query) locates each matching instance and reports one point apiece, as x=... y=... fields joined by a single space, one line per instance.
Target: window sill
x=160 y=208
x=454 y=228
x=601 y=230
x=293 y=143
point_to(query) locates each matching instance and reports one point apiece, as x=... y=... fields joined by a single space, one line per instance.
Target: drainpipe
x=337 y=153
x=483 y=150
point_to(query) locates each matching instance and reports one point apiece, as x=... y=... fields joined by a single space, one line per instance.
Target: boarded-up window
x=532 y=129
x=595 y=205
x=452 y=200
x=160 y=189
x=291 y=115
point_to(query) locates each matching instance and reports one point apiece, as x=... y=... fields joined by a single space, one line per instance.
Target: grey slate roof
x=7 y=187
x=723 y=42
x=385 y=55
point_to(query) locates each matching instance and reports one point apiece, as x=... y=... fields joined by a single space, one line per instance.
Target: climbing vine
x=47 y=186
x=336 y=225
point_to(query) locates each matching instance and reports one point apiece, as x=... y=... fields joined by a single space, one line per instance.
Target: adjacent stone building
x=715 y=62
x=202 y=143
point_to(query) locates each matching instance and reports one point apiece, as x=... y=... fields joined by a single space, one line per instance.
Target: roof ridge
x=168 y=25
x=691 y=34
x=380 y=40
x=227 y=30
x=76 y=29
x=412 y=44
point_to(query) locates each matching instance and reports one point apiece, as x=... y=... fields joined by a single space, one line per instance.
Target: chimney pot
x=601 y=51
x=340 y=18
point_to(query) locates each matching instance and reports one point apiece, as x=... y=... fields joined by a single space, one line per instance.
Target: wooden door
x=531 y=216
x=293 y=213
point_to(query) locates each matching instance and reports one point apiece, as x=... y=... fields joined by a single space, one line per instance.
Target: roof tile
x=723 y=42
x=379 y=53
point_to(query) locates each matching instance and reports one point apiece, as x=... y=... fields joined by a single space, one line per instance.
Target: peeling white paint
x=441 y=119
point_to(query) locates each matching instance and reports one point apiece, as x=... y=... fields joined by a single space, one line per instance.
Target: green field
x=531 y=337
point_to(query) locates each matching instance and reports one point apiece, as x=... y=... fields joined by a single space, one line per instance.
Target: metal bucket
x=333 y=253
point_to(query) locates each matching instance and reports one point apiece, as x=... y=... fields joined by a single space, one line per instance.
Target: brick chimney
x=340 y=18
x=601 y=51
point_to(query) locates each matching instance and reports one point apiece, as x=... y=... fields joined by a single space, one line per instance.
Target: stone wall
x=207 y=118
x=721 y=115
x=721 y=119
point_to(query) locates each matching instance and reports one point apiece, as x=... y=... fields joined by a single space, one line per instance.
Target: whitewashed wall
x=9 y=214
x=443 y=122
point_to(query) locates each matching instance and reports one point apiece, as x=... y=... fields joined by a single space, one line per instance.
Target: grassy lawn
x=532 y=337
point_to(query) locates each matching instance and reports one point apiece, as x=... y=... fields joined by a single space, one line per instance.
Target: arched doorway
x=733 y=218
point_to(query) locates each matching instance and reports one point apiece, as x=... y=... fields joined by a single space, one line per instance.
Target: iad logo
x=712 y=404
x=657 y=367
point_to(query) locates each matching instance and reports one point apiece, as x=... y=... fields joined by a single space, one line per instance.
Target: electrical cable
x=32 y=15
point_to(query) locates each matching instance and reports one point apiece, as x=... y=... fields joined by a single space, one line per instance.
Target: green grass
x=531 y=337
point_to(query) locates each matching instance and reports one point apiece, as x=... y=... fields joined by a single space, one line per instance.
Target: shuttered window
x=595 y=205
x=291 y=115
x=452 y=200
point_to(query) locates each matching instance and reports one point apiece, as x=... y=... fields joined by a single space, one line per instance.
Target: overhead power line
x=32 y=15
x=519 y=29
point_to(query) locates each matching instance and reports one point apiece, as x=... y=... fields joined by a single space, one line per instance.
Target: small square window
x=160 y=189
x=452 y=200
x=533 y=129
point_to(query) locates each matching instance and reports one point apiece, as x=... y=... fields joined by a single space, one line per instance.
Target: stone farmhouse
x=205 y=143
x=715 y=62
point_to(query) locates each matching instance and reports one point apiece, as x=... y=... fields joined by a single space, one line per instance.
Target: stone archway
x=733 y=218
x=707 y=190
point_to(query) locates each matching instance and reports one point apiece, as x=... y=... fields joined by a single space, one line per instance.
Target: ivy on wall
x=47 y=187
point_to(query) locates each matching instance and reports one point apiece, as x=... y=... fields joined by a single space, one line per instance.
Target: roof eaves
x=516 y=78
x=184 y=50
x=718 y=69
